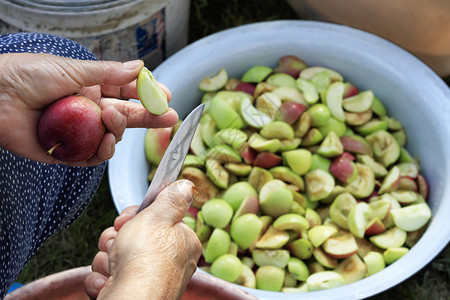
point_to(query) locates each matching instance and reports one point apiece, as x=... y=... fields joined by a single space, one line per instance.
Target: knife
x=173 y=159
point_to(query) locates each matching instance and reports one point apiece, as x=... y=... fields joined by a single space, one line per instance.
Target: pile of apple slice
x=304 y=181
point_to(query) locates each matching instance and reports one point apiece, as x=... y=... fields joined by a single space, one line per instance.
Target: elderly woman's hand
x=151 y=255
x=30 y=82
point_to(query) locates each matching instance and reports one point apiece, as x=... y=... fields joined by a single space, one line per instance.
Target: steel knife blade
x=172 y=160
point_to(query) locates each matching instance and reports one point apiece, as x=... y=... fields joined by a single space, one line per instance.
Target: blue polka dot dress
x=38 y=200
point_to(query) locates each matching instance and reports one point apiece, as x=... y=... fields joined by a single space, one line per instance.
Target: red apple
x=290 y=64
x=375 y=227
x=71 y=129
x=245 y=87
x=290 y=112
x=350 y=90
x=356 y=144
x=248 y=154
x=267 y=160
x=343 y=169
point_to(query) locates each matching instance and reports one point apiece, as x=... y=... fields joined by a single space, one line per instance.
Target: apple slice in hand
x=150 y=93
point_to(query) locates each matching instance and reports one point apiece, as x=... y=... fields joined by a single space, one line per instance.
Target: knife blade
x=172 y=160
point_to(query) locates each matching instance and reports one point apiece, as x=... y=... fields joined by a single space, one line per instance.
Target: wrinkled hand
x=30 y=82
x=151 y=255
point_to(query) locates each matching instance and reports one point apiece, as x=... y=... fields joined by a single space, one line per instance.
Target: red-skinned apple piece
x=156 y=142
x=290 y=112
x=343 y=169
x=291 y=65
x=267 y=160
x=245 y=87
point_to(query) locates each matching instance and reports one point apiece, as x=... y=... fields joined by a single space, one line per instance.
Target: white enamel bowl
x=412 y=93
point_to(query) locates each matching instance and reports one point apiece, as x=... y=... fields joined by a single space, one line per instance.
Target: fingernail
x=98 y=283
x=132 y=64
x=187 y=190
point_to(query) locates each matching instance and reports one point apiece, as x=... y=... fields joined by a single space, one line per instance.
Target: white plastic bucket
x=120 y=30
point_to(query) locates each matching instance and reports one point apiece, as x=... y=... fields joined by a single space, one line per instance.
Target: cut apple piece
x=290 y=64
x=319 y=234
x=321 y=81
x=263 y=87
x=291 y=221
x=380 y=206
x=344 y=169
x=299 y=160
x=278 y=258
x=282 y=79
x=287 y=175
x=238 y=169
x=216 y=173
x=277 y=130
x=356 y=144
x=374 y=262
x=340 y=208
x=364 y=183
x=385 y=148
x=324 y=280
x=252 y=116
x=393 y=237
x=378 y=169
x=150 y=93
x=374 y=227
x=224 y=154
x=331 y=146
x=309 y=72
x=273 y=238
x=247 y=277
x=248 y=154
x=290 y=111
x=301 y=248
x=224 y=115
x=312 y=137
x=217 y=213
x=215 y=82
x=298 y=269
x=289 y=94
x=261 y=144
x=358 y=219
x=335 y=125
x=358 y=119
x=393 y=254
x=340 y=246
x=244 y=230
x=410 y=170
x=227 y=267
x=391 y=181
x=378 y=107
x=412 y=217
x=218 y=245
x=156 y=142
x=256 y=74
x=352 y=269
x=268 y=103
x=230 y=136
x=423 y=186
x=258 y=177
x=372 y=126
x=302 y=126
x=275 y=198
x=197 y=146
x=308 y=90
x=358 y=103
x=313 y=217
x=324 y=259
x=406 y=197
x=245 y=87
x=250 y=205
x=319 y=184
x=270 y=278
x=335 y=94
x=237 y=192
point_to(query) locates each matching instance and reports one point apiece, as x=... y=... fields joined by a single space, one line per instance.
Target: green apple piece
x=234 y=248
x=324 y=259
x=300 y=248
x=393 y=254
x=291 y=221
x=299 y=160
x=308 y=90
x=250 y=205
x=411 y=217
x=286 y=94
x=247 y=277
x=287 y=145
x=319 y=234
x=302 y=288
x=215 y=82
x=224 y=115
x=224 y=154
x=233 y=98
x=319 y=114
x=282 y=79
x=380 y=207
x=217 y=213
x=197 y=146
x=320 y=162
x=298 y=269
x=321 y=81
x=331 y=146
x=340 y=246
x=256 y=74
x=302 y=125
x=358 y=103
x=216 y=173
x=273 y=238
x=218 y=245
x=324 y=280
x=393 y=237
x=319 y=184
x=313 y=217
x=230 y=136
x=150 y=93
x=385 y=148
x=156 y=141
x=358 y=219
x=252 y=116
x=356 y=144
x=208 y=129
x=337 y=190
x=334 y=96
x=277 y=130
x=258 y=177
x=261 y=144
x=247 y=261
x=409 y=169
x=245 y=229
x=237 y=192
x=406 y=197
x=190 y=222
x=270 y=278
x=374 y=262
x=390 y=181
x=364 y=183
x=358 y=119
x=227 y=267
x=340 y=209
x=352 y=269
x=287 y=175
x=400 y=137
x=378 y=107
x=372 y=126
x=275 y=198
x=193 y=161
x=310 y=72
x=268 y=103
x=289 y=281
x=312 y=137
x=378 y=169
x=265 y=257
x=238 y=169
x=335 y=125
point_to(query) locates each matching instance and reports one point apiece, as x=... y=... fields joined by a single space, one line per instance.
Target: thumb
x=173 y=202
x=89 y=73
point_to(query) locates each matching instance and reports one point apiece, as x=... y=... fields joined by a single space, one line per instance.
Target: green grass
x=77 y=245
